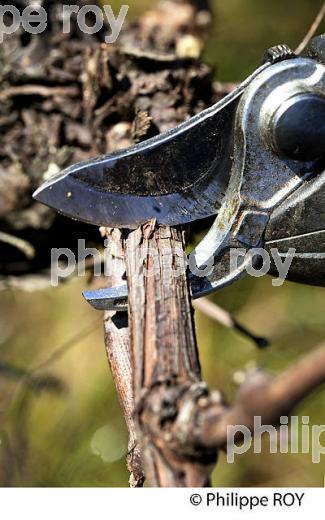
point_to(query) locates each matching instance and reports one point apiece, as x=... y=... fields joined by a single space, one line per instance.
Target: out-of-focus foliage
x=60 y=423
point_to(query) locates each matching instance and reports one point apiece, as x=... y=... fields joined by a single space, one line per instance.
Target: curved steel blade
x=177 y=177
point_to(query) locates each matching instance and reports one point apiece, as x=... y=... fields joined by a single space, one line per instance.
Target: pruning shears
x=255 y=160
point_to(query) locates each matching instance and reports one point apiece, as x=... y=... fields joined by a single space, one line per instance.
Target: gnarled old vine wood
x=165 y=356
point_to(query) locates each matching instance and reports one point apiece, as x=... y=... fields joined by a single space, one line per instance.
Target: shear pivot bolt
x=298 y=128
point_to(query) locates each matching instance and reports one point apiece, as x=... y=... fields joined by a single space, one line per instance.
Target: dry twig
x=223 y=317
x=312 y=30
x=38 y=90
x=22 y=245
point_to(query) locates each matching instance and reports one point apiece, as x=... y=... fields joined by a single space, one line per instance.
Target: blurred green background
x=61 y=425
